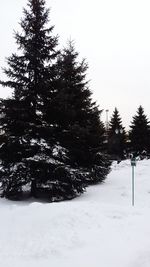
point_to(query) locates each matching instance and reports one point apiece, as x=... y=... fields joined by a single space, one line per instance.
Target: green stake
x=133 y=164
x=132 y=185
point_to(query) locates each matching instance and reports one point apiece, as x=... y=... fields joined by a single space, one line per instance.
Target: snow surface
x=98 y=229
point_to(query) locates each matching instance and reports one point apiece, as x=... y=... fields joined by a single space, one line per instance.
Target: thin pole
x=132 y=185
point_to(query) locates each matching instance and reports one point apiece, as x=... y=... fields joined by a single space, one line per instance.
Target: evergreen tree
x=29 y=152
x=81 y=130
x=139 y=132
x=116 y=136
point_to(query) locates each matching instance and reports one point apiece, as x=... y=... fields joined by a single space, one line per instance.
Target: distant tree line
x=52 y=137
x=121 y=144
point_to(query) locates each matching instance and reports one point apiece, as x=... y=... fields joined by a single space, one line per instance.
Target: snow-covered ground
x=98 y=229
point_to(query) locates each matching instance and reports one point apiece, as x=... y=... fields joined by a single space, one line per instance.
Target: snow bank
x=98 y=229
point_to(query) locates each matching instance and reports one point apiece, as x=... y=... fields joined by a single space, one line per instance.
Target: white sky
x=114 y=37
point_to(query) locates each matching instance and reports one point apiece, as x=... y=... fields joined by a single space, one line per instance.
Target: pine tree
x=140 y=132
x=116 y=136
x=28 y=154
x=81 y=130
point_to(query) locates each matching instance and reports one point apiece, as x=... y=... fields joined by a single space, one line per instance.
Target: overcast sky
x=114 y=37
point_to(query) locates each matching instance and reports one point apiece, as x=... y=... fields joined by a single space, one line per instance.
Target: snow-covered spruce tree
x=31 y=154
x=81 y=130
x=139 y=134
x=116 y=136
